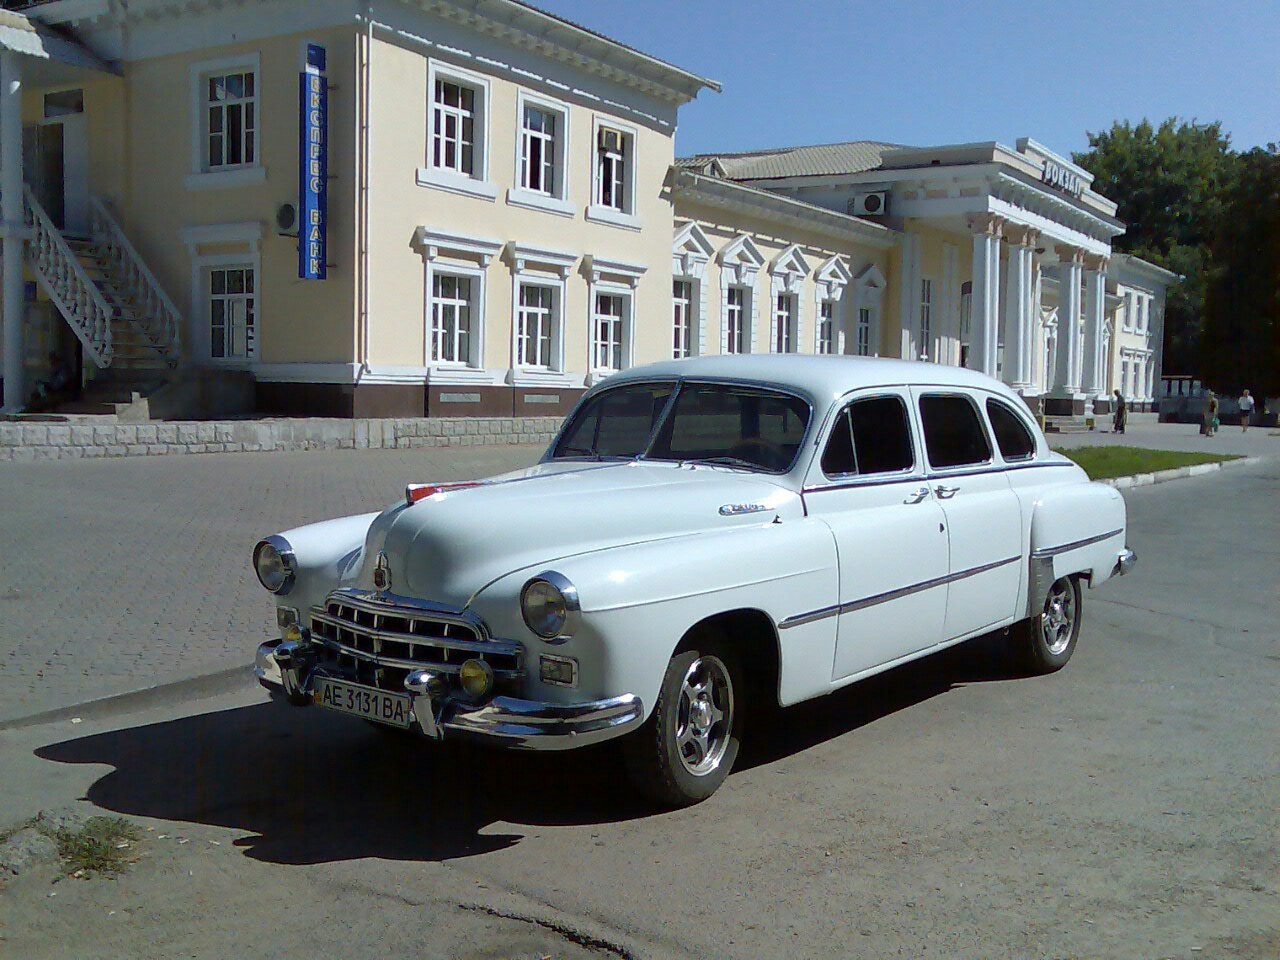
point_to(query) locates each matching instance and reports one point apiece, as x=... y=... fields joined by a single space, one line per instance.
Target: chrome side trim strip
x=896 y=594
x=1043 y=552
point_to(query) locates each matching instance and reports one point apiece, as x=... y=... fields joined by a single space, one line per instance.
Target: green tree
x=1170 y=184
x=1242 y=302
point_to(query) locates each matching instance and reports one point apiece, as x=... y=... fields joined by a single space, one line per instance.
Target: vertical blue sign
x=313 y=165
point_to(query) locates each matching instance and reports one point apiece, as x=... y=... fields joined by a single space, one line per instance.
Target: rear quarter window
x=1012 y=436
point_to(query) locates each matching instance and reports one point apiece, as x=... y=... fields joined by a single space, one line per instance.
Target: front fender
x=639 y=601
x=325 y=554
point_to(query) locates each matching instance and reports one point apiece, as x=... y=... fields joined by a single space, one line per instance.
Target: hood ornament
x=382 y=573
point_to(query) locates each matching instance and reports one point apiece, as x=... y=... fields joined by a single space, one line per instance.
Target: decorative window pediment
x=599 y=268
x=433 y=243
x=525 y=257
x=871 y=284
x=741 y=259
x=690 y=252
x=832 y=277
x=790 y=268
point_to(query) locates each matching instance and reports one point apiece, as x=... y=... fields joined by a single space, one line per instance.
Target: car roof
x=821 y=378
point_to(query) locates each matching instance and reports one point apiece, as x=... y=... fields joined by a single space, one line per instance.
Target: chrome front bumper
x=1125 y=562
x=503 y=721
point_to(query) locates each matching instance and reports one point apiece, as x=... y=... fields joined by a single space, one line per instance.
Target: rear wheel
x=1046 y=641
x=688 y=746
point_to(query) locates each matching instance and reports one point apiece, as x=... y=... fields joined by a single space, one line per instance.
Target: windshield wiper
x=727 y=462
x=581 y=452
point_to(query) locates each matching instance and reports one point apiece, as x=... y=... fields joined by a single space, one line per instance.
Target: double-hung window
x=611 y=169
x=536 y=326
x=232 y=313
x=453 y=127
x=231 y=121
x=826 y=326
x=926 y=319
x=738 y=338
x=538 y=150
x=784 y=323
x=608 y=324
x=451 y=308
x=864 y=332
x=682 y=318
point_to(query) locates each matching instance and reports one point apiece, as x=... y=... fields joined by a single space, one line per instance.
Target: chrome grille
x=386 y=638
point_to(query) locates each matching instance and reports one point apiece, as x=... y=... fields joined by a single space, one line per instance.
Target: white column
x=1095 y=279
x=1066 y=378
x=984 y=332
x=1018 y=308
x=11 y=221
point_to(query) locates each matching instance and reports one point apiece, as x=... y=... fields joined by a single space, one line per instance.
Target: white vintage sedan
x=701 y=533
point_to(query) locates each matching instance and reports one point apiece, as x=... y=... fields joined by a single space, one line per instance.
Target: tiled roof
x=822 y=159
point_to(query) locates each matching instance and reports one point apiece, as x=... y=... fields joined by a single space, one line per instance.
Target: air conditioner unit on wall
x=869 y=204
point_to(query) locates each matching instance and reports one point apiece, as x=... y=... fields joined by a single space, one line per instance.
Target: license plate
x=361 y=701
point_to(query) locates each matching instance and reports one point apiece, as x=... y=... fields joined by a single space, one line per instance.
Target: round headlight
x=549 y=605
x=476 y=678
x=273 y=562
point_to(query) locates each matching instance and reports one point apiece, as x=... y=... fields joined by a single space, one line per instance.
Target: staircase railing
x=157 y=314
x=64 y=279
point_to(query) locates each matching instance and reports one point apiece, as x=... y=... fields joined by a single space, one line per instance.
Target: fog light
x=286 y=616
x=294 y=634
x=562 y=671
x=476 y=678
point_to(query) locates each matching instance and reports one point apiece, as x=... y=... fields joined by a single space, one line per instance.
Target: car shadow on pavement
x=313 y=787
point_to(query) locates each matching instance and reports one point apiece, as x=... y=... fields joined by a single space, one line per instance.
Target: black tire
x=1045 y=642
x=661 y=756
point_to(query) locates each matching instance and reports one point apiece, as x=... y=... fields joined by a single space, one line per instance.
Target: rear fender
x=1075 y=529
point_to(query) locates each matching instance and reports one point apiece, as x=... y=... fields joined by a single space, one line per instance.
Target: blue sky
x=951 y=71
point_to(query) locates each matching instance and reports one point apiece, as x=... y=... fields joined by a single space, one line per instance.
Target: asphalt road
x=1124 y=807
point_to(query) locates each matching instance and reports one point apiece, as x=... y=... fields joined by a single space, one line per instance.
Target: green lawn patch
x=1102 y=463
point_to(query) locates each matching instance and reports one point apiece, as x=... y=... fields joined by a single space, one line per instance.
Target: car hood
x=454 y=543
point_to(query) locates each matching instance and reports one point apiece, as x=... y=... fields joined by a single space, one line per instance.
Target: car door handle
x=918 y=496
x=945 y=493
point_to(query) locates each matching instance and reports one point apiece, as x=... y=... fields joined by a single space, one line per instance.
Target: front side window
x=611 y=169
x=231 y=122
x=736 y=320
x=453 y=127
x=538 y=150
x=926 y=318
x=232 y=313
x=953 y=433
x=826 y=333
x=864 y=331
x=734 y=426
x=1012 y=436
x=784 y=322
x=681 y=318
x=870 y=436
x=450 y=318
x=607 y=324
x=535 y=333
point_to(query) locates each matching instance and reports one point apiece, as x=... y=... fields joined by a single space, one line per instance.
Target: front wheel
x=689 y=744
x=1046 y=641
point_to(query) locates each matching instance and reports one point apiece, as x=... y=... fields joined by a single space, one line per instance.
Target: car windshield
x=732 y=425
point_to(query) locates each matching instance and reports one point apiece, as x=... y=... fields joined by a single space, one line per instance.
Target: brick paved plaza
x=120 y=574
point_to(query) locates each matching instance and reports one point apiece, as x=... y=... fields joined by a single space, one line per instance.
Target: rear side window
x=953 y=432
x=1012 y=436
x=870 y=436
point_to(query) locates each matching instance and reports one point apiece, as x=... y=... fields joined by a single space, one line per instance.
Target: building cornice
x=730 y=195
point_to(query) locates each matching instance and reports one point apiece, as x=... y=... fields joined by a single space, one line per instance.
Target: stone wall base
x=30 y=441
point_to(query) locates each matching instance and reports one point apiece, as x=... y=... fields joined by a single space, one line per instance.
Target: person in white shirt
x=1246 y=410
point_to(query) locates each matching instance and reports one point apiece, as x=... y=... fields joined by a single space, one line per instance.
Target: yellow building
x=472 y=207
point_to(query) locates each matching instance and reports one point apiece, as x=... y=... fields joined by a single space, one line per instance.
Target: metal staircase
x=129 y=327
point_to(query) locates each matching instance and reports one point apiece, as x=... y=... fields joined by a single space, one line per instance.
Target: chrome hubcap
x=1059 y=618
x=705 y=716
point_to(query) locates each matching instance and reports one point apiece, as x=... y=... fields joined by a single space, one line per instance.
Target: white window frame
x=246 y=236
x=745 y=312
x=445 y=252
x=785 y=335
x=864 y=323
x=691 y=251
x=824 y=336
x=557 y=200
x=474 y=279
x=549 y=326
x=626 y=339
x=683 y=317
x=597 y=211
x=202 y=176
x=924 y=318
x=830 y=280
x=540 y=267
x=476 y=183
x=251 y=338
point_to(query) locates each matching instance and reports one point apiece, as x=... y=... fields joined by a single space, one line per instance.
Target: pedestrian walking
x=1210 y=414
x=1246 y=410
x=1121 y=414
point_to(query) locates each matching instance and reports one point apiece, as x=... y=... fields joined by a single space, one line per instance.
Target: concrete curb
x=26 y=442
x=1175 y=473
